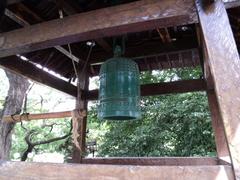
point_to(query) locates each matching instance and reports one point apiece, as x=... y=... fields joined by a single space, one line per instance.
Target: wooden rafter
x=30 y=71
x=152 y=14
x=24 y=23
x=164 y=35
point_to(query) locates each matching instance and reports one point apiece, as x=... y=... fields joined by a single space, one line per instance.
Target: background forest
x=171 y=125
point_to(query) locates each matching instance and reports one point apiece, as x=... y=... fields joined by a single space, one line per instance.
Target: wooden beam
x=232 y=4
x=9 y=2
x=117 y=20
x=27 y=170
x=164 y=35
x=31 y=71
x=217 y=122
x=156 y=161
x=218 y=128
x=224 y=65
x=50 y=115
x=162 y=88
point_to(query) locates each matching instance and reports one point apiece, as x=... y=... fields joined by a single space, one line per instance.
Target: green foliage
x=172 y=125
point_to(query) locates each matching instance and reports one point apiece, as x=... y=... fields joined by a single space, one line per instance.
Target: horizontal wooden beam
x=26 y=170
x=232 y=4
x=163 y=88
x=156 y=161
x=9 y=2
x=100 y=23
x=29 y=117
x=30 y=71
x=50 y=115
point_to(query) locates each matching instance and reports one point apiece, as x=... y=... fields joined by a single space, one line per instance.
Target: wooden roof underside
x=160 y=41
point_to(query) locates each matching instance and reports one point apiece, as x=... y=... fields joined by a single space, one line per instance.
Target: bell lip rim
x=129 y=118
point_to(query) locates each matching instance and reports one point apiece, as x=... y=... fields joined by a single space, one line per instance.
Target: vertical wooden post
x=217 y=122
x=218 y=128
x=224 y=65
x=80 y=123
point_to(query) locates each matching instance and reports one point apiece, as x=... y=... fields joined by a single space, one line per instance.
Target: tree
x=42 y=136
x=18 y=86
x=32 y=144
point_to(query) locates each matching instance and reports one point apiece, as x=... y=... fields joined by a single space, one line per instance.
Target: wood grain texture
x=132 y=17
x=50 y=115
x=80 y=122
x=43 y=171
x=156 y=161
x=224 y=64
x=218 y=128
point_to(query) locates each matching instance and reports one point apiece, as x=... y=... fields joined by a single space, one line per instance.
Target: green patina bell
x=119 y=93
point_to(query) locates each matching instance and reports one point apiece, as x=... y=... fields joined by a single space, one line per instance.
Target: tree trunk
x=12 y=105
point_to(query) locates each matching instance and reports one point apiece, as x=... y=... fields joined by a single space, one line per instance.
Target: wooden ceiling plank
x=148 y=49
x=117 y=20
x=186 y=61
